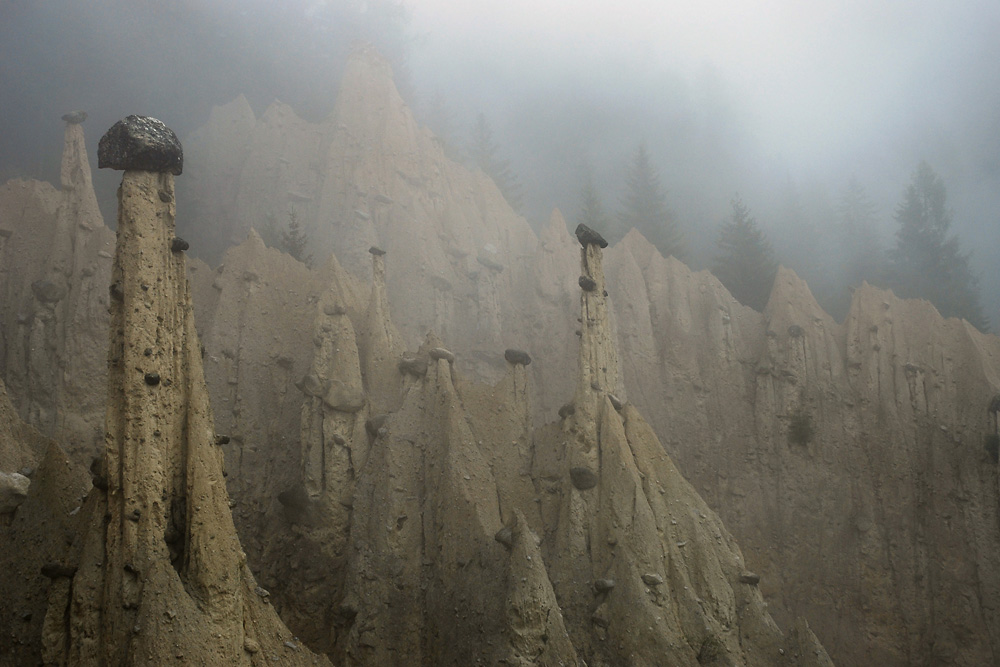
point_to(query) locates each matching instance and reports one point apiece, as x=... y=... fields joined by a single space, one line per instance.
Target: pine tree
x=745 y=264
x=644 y=207
x=294 y=240
x=484 y=153
x=592 y=211
x=927 y=263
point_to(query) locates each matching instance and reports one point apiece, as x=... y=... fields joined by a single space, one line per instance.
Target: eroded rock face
x=54 y=274
x=847 y=459
x=160 y=571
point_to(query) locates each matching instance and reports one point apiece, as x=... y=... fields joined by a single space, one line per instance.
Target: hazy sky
x=810 y=74
x=804 y=91
x=774 y=99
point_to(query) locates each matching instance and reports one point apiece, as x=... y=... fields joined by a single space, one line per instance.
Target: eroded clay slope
x=158 y=572
x=55 y=264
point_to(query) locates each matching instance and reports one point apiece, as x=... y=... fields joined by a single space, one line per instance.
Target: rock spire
x=161 y=574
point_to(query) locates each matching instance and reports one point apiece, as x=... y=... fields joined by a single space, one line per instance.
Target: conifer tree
x=644 y=206
x=485 y=154
x=927 y=262
x=745 y=263
x=294 y=240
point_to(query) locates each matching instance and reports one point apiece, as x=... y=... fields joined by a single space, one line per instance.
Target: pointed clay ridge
x=162 y=572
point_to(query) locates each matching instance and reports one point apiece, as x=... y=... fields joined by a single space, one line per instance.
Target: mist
x=779 y=102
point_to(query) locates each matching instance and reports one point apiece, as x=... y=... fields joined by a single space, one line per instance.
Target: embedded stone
x=587 y=236
x=13 y=491
x=651 y=579
x=56 y=570
x=567 y=410
x=604 y=585
x=152 y=379
x=487 y=260
x=414 y=366
x=375 y=423
x=311 y=385
x=587 y=284
x=375 y=250
x=583 y=478
x=441 y=353
x=750 y=578
x=179 y=245
x=505 y=536
x=47 y=291
x=795 y=331
x=517 y=356
x=140 y=143
x=616 y=402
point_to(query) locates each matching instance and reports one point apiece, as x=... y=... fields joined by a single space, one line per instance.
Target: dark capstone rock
x=651 y=579
x=583 y=478
x=140 y=143
x=750 y=578
x=47 y=291
x=795 y=331
x=414 y=366
x=165 y=196
x=587 y=236
x=604 y=585
x=567 y=410
x=375 y=250
x=375 y=423
x=587 y=284
x=222 y=440
x=179 y=245
x=505 y=536
x=441 y=353
x=56 y=570
x=75 y=117
x=517 y=356
x=152 y=379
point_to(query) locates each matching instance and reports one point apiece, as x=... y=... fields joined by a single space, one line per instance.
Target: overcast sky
x=814 y=92
x=757 y=97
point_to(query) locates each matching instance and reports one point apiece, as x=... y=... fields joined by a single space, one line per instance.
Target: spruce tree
x=644 y=206
x=485 y=154
x=927 y=262
x=294 y=240
x=745 y=263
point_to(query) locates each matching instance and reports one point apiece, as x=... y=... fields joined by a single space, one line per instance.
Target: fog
x=780 y=101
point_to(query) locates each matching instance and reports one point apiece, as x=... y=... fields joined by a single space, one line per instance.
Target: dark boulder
x=140 y=143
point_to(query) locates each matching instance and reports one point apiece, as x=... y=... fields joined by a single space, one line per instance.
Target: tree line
x=926 y=261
